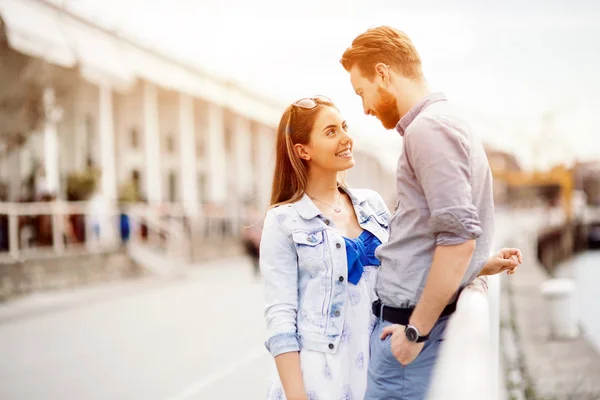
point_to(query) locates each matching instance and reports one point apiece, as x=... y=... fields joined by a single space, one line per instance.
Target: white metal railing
x=494 y=292
x=72 y=227
x=42 y=229
x=469 y=360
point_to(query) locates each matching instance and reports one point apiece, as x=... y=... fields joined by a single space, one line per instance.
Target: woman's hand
x=507 y=259
x=300 y=396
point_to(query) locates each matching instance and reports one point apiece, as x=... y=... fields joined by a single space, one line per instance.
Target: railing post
x=13 y=238
x=57 y=228
x=90 y=236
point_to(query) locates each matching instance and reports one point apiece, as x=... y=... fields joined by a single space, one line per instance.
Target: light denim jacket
x=303 y=261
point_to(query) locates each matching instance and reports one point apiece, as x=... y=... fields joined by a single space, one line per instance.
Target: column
x=106 y=133
x=266 y=164
x=217 y=177
x=152 y=143
x=53 y=114
x=14 y=173
x=242 y=141
x=187 y=152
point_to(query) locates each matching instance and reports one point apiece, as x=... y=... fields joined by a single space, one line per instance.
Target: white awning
x=42 y=30
x=173 y=76
x=101 y=57
x=33 y=30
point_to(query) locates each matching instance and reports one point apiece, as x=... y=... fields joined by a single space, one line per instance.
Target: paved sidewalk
x=44 y=302
x=551 y=369
x=180 y=339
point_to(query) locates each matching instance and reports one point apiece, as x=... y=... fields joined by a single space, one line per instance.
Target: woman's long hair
x=291 y=172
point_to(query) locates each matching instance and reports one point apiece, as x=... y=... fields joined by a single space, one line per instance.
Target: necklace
x=337 y=209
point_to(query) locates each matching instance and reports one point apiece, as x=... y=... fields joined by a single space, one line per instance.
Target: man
x=441 y=231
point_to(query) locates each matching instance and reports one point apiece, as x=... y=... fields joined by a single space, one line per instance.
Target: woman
x=317 y=258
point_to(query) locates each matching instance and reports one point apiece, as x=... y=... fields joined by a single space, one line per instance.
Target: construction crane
x=557 y=176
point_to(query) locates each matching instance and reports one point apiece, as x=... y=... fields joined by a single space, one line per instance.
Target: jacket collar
x=308 y=210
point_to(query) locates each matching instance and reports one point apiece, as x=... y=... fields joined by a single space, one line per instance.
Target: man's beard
x=386 y=109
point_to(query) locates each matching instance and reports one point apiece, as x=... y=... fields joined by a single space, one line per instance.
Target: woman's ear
x=301 y=151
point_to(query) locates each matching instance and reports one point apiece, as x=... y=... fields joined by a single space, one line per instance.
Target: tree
x=22 y=83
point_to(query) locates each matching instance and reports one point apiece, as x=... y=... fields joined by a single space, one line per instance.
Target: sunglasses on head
x=308 y=103
x=311 y=102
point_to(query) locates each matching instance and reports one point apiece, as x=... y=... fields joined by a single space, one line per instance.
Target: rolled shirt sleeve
x=279 y=266
x=440 y=157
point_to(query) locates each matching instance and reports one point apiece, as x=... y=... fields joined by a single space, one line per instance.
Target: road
x=198 y=337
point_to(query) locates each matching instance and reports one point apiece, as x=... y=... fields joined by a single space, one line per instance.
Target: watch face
x=411 y=334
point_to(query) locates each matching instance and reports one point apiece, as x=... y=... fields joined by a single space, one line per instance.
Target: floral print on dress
x=327 y=372
x=277 y=394
x=372 y=324
x=360 y=361
x=366 y=275
x=354 y=296
x=312 y=395
x=346 y=393
x=346 y=334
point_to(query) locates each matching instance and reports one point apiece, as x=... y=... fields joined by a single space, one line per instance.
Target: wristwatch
x=413 y=334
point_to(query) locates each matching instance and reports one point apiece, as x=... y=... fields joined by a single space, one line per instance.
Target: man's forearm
x=447 y=271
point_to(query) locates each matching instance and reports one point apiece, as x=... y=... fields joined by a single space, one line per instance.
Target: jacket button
x=338 y=245
x=337 y=313
x=326 y=222
x=331 y=346
x=341 y=279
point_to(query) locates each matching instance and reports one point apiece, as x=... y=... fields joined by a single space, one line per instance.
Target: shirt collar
x=416 y=110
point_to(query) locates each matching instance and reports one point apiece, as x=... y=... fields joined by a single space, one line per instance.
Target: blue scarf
x=360 y=253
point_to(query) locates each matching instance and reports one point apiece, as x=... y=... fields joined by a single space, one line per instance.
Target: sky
x=526 y=73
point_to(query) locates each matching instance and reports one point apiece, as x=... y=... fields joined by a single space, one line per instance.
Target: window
x=201 y=131
x=89 y=136
x=202 y=198
x=136 y=178
x=170 y=143
x=134 y=138
x=172 y=187
x=228 y=127
x=200 y=138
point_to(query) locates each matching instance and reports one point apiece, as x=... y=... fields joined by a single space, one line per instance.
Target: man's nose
x=366 y=109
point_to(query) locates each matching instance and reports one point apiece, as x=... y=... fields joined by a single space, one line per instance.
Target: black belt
x=402 y=315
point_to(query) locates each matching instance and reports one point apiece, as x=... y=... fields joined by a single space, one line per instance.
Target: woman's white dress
x=342 y=375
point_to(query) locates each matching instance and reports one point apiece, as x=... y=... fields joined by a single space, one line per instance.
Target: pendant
x=337 y=210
